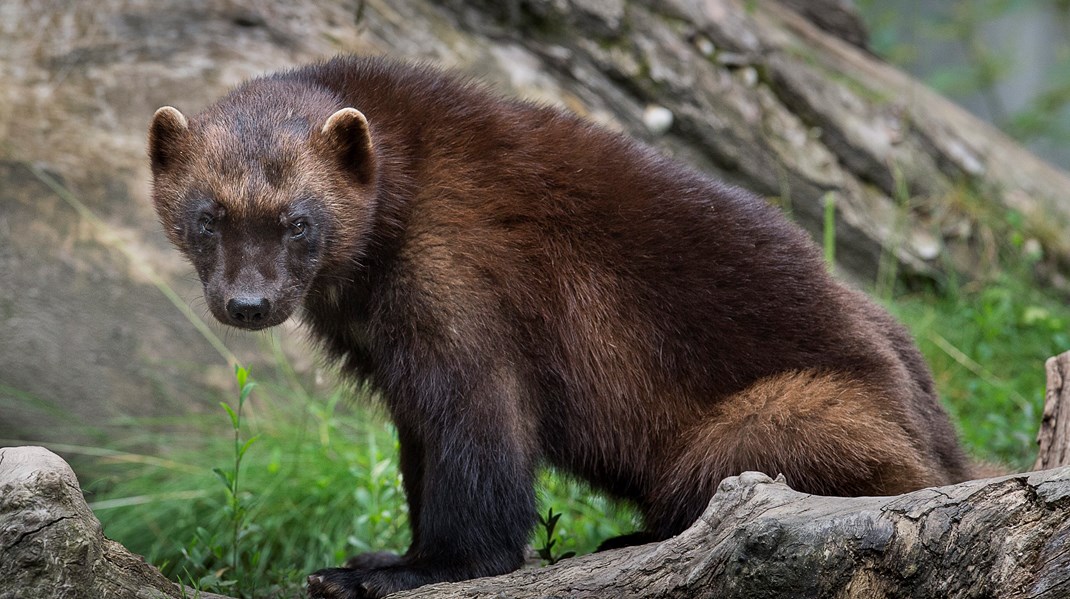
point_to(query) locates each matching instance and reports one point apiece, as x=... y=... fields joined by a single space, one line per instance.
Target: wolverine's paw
x=363 y=583
x=335 y=583
x=373 y=559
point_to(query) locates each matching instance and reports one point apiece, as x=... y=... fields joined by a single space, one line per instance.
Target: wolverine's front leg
x=411 y=464
x=474 y=510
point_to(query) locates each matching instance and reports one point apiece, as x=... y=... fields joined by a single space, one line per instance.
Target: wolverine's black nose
x=248 y=310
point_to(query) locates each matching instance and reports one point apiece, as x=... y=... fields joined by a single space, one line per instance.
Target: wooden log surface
x=1001 y=537
x=51 y=544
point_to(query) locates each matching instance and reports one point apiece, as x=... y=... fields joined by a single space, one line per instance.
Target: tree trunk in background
x=838 y=17
x=1054 y=435
x=1003 y=537
x=763 y=97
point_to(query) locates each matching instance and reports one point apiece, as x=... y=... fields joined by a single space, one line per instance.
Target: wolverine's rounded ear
x=348 y=135
x=166 y=136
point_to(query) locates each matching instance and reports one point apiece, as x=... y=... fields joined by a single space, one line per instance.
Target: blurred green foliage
x=976 y=63
x=986 y=344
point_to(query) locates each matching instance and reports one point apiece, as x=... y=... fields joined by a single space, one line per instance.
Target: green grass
x=986 y=345
x=320 y=484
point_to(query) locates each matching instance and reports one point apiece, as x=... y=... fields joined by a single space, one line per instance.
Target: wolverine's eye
x=298 y=228
x=207 y=224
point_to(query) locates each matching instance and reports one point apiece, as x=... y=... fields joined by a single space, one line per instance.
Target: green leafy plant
x=323 y=473
x=236 y=506
x=546 y=552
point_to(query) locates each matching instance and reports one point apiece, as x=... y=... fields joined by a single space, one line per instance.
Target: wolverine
x=524 y=288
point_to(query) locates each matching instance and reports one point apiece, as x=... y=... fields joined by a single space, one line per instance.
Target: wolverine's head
x=264 y=192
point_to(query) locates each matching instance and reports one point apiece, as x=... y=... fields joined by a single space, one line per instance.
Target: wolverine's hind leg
x=827 y=433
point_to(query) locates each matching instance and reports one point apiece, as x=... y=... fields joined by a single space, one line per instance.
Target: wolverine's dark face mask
x=255 y=269
x=263 y=204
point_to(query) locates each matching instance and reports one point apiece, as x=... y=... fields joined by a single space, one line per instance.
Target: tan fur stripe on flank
x=816 y=429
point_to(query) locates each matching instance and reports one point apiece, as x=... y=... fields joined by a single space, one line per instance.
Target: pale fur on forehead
x=259 y=148
x=251 y=174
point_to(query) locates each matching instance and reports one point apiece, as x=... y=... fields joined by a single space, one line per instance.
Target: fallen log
x=51 y=544
x=1001 y=537
x=1004 y=537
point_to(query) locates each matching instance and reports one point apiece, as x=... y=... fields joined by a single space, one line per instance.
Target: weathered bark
x=764 y=97
x=1002 y=537
x=51 y=545
x=1054 y=436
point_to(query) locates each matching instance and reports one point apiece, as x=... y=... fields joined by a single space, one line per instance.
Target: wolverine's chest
x=341 y=325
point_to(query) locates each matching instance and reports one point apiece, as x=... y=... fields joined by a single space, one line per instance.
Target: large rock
x=749 y=92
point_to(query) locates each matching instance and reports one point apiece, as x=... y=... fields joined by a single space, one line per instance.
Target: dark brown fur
x=525 y=288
